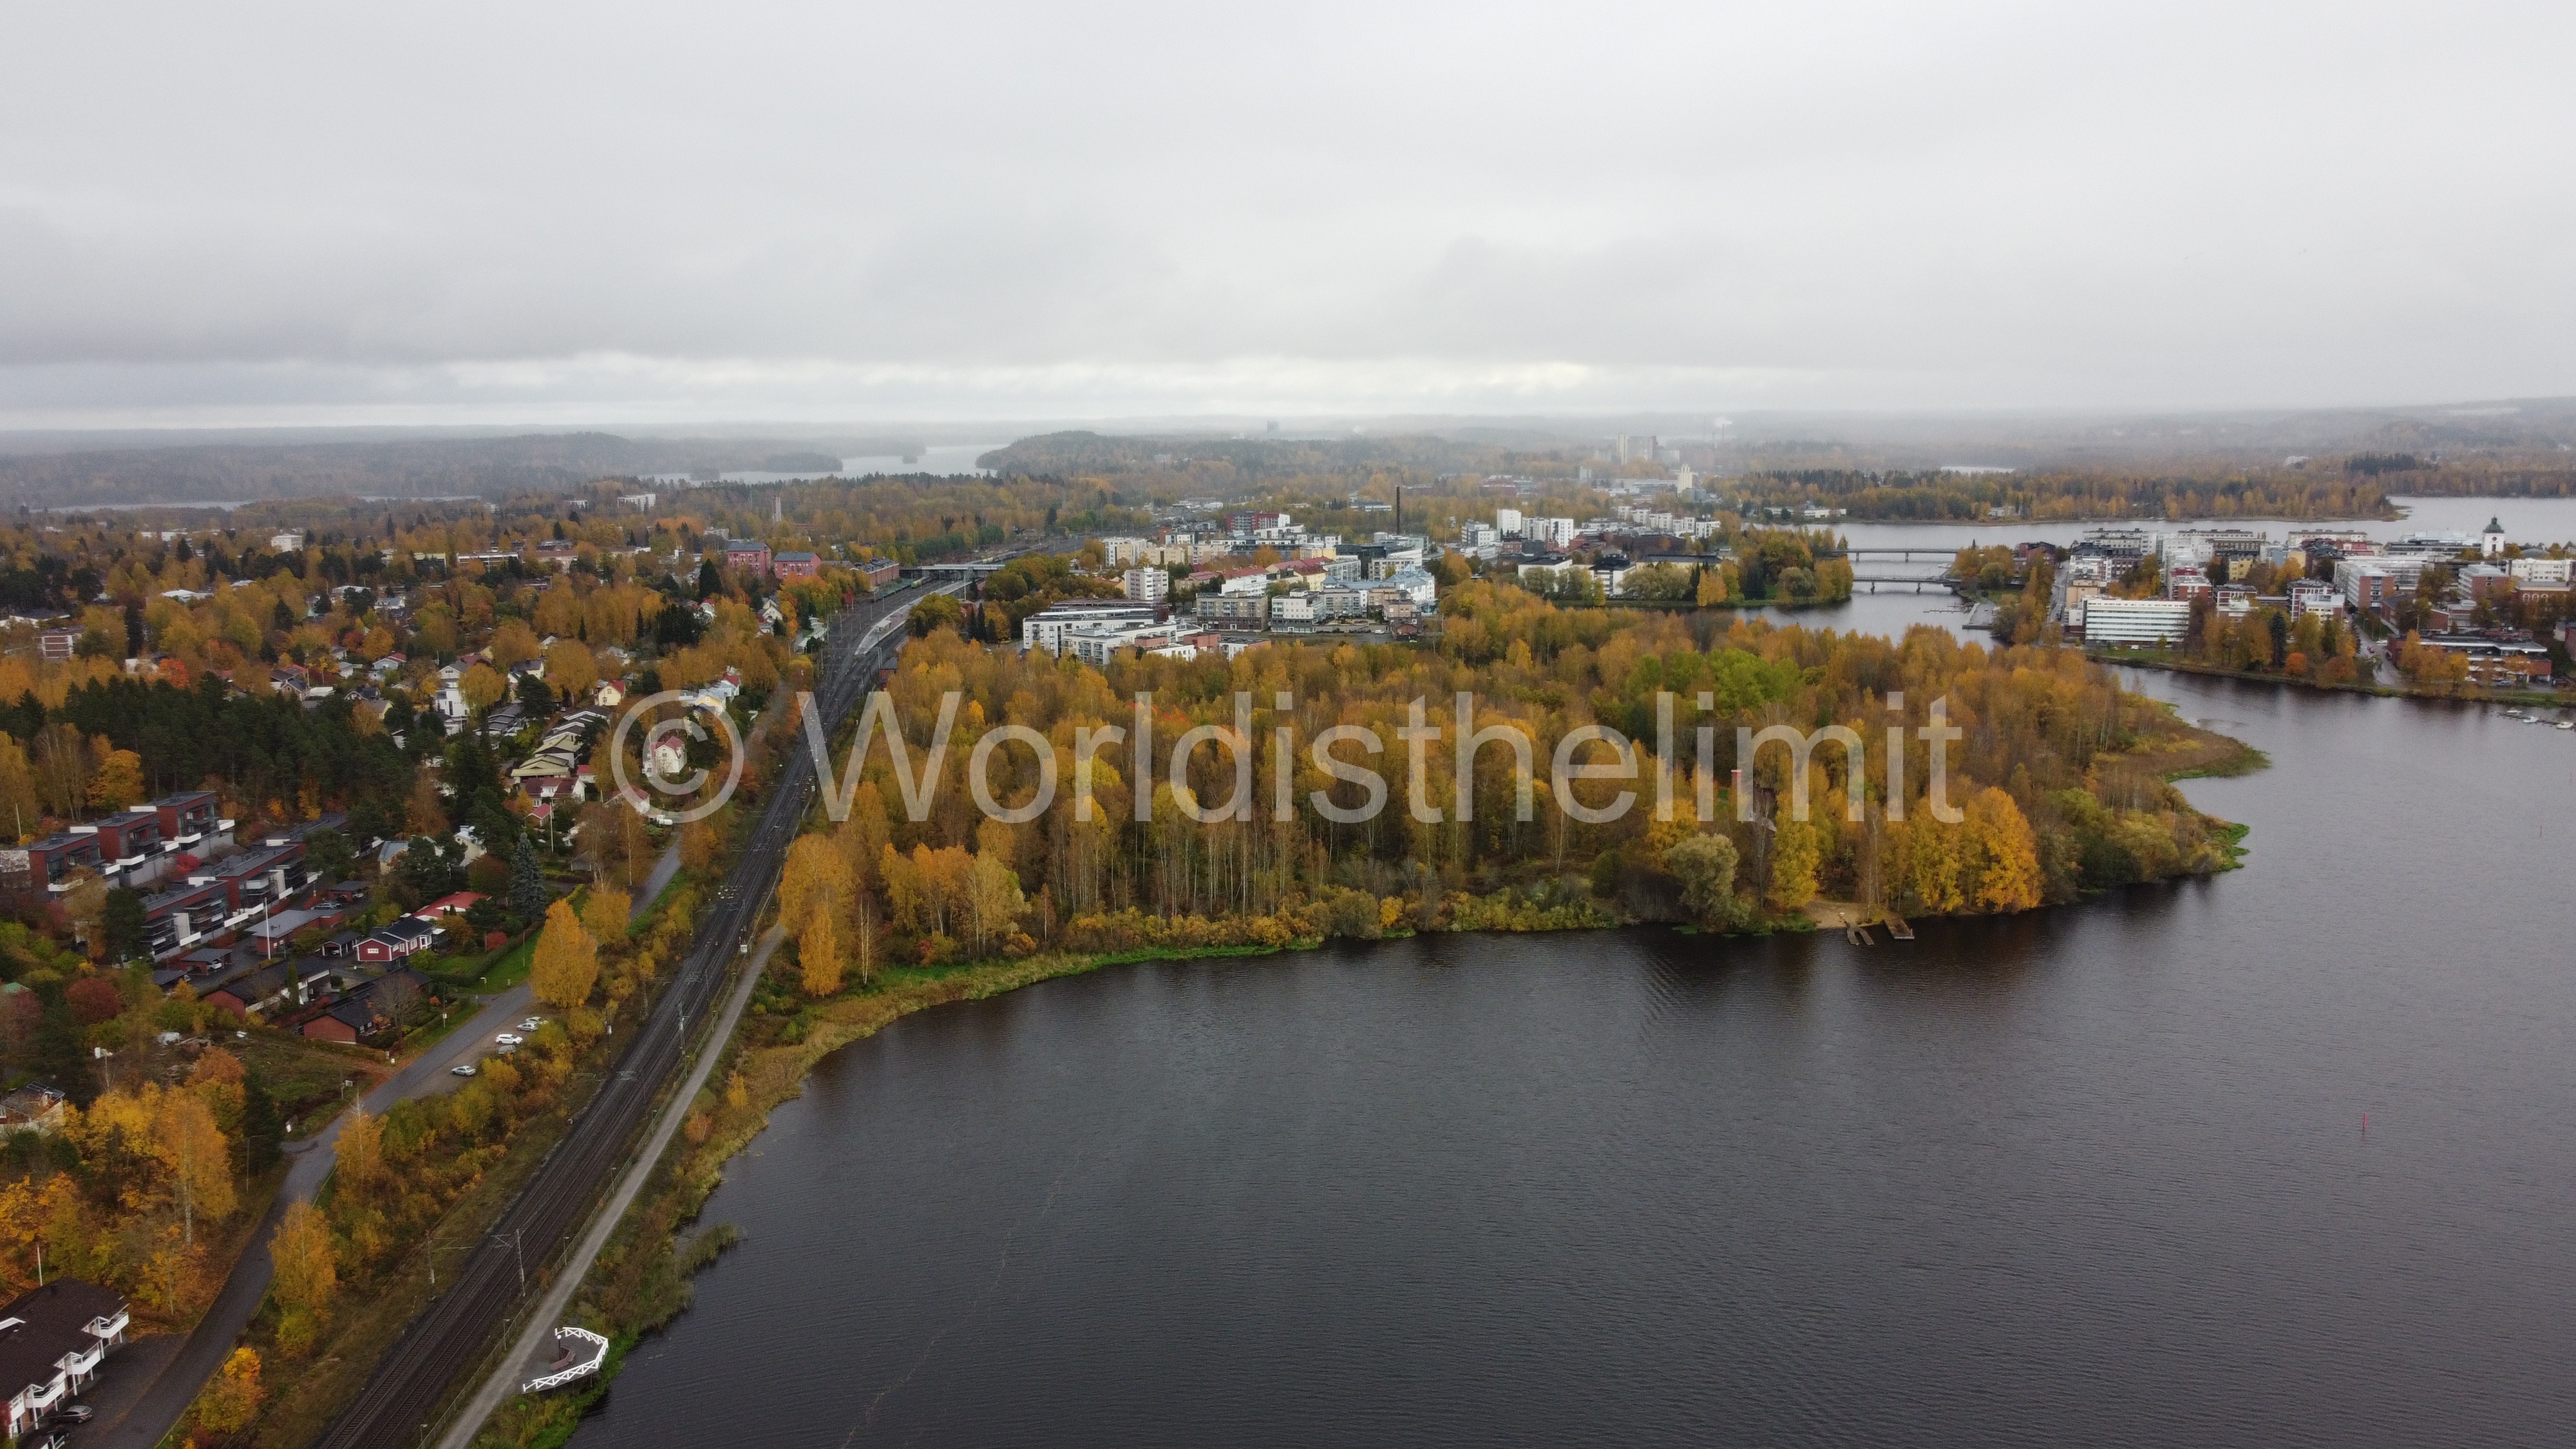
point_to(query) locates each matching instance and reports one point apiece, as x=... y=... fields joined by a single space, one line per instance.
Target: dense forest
x=2057 y=779
x=1964 y=497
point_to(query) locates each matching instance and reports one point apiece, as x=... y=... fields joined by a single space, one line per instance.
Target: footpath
x=504 y=1381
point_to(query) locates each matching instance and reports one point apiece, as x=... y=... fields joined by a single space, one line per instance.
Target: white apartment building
x=2315 y=596
x=2542 y=570
x=1554 y=532
x=2136 y=621
x=1047 y=629
x=1147 y=584
x=1507 y=522
x=1098 y=643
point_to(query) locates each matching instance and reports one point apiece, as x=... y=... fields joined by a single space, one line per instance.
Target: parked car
x=75 y=1413
x=464 y=1070
x=509 y=1038
x=532 y=1023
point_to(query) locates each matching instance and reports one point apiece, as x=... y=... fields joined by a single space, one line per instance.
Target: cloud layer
x=652 y=211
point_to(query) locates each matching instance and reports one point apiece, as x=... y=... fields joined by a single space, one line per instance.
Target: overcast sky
x=647 y=212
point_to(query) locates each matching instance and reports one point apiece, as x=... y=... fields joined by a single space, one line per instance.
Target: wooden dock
x=1897 y=928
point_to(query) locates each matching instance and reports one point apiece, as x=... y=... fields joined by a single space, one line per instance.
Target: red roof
x=455 y=905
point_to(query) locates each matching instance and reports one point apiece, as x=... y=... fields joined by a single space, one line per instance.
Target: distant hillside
x=403 y=468
x=1246 y=459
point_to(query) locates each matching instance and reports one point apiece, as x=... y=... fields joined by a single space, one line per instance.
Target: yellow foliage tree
x=816 y=879
x=1796 y=850
x=603 y=913
x=360 y=1153
x=571 y=670
x=2007 y=853
x=230 y=1403
x=482 y=686
x=567 y=963
x=818 y=954
x=188 y=1141
x=308 y=1275
x=19 y=807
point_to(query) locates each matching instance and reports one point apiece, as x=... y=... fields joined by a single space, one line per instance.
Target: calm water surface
x=2094 y=1175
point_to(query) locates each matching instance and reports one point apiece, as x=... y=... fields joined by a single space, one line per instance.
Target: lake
x=2277 y=1158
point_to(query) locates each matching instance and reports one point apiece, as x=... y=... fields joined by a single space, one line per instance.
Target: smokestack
x=1399 y=508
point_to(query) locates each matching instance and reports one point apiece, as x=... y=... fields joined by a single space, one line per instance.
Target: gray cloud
x=660 y=211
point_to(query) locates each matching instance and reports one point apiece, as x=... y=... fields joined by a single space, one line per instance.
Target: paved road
x=149 y=1415
x=411 y=1385
x=504 y=1380
x=663 y=869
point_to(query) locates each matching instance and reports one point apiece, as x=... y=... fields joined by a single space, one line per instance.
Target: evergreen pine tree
x=263 y=1135
x=527 y=883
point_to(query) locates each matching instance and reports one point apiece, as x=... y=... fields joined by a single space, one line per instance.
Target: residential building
x=1507 y=522
x=2315 y=596
x=880 y=572
x=57 y=644
x=1415 y=585
x=2368 y=583
x=1046 y=628
x=49 y=863
x=52 y=1339
x=390 y=943
x=2542 y=570
x=2495 y=660
x=796 y=565
x=2135 y=621
x=1147 y=584
x=747 y=554
x=2485 y=582
x=1098 y=643
x=1247 y=609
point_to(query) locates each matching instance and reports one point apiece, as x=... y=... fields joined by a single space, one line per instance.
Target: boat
x=2567 y=724
x=1897 y=928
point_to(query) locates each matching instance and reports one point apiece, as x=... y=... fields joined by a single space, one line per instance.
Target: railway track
x=413 y=1384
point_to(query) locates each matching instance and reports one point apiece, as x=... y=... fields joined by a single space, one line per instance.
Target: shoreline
x=770 y=1057
x=2552 y=699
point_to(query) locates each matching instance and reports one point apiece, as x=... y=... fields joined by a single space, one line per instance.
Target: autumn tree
x=482 y=686
x=190 y=1143
x=360 y=1157
x=119 y=781
x=604 y=912
x=571 y=669
x=1797 y=848
x=308 y=1273
x=20 y=809
x=818 y=954
x=233 y=1400
x=567 y=963
x=1705 y=865
x=993 y=900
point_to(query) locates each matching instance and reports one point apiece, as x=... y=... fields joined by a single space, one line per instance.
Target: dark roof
x=51 y=1321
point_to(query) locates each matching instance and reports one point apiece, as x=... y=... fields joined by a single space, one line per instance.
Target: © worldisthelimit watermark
x=666 y=770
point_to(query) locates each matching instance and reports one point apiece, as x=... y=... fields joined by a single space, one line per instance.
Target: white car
x=465 y=1070
x=532 y=1023
x=509 y=1038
